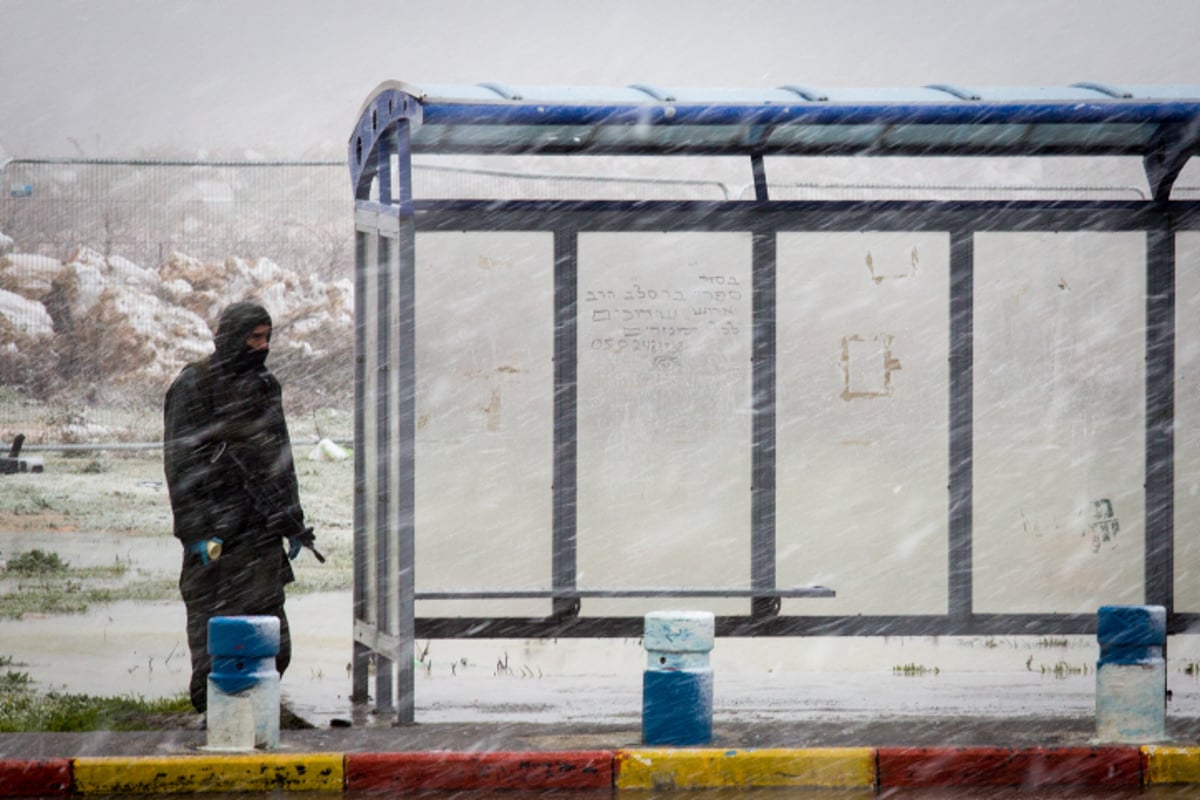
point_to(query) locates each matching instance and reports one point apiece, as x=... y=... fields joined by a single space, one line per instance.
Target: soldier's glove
x=305 y=538
x=209 y=549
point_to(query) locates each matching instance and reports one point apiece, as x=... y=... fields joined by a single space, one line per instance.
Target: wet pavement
x=472 y=706
x=585 y=695
x=788 y=710
x=481 y=695
x=500 y=736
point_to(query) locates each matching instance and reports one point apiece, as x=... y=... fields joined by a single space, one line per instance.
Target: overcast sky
x=286 y=77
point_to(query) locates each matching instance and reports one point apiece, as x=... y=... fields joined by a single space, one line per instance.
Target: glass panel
x=996 y=135
x=682 y=135
x=1119 y=135
x=498 y=138
x=484 y=415
x=823 y=135
x=1059 y=421
x=862 y=420
x=368 y=256
x=945 y=178
x=593 y=178
x=664 y=414
x=1187 y=423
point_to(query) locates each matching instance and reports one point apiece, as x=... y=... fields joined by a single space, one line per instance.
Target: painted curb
x=1161 y=764
x=448 y=771
x=40 y=778
x=210 y=773
x=663 y=770
x=638 y=768
x=1002 y=766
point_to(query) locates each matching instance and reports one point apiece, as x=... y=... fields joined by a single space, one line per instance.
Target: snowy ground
x=137 y=647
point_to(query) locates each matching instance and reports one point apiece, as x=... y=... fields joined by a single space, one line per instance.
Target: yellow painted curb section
x=317 y=772
x=841 y=767
x=1171 y=764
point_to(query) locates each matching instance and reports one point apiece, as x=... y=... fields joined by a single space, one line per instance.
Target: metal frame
x=386 y=534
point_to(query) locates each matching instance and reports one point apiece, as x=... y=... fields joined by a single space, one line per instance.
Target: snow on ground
x=168 y=311
x=27 y=316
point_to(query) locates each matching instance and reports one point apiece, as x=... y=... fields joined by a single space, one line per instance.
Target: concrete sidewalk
x=454 y=757
x=913 y=732
x=755 y=709
x=865 y=730
x=750 y=710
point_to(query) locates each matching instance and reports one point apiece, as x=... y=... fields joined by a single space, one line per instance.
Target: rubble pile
x=113 y=320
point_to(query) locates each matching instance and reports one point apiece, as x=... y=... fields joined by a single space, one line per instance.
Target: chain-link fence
x=299 y=215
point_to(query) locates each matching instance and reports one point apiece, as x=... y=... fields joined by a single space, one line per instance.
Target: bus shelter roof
x=1160 y=124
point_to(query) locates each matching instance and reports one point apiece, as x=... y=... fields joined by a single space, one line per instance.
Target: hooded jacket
x=226 y=453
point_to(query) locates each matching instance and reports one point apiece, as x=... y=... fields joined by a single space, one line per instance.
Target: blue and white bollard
x=677 y=686
x=243 y=686
x=1131 y=675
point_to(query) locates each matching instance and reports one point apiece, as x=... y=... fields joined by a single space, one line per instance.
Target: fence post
x=1131 y=675
x=243 y=687
x=677 y=686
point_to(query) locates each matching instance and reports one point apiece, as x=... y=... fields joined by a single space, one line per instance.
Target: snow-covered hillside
x=149 y=322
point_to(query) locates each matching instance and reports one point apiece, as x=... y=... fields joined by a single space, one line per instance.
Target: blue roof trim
x=1159 y=123
x=829 y=113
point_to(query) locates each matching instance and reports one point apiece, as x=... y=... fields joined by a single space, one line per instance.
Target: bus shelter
x=914 y=415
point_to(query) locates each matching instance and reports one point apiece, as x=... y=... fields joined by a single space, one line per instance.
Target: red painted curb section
x=1001 y=766
x=35 y=778
x=586 y=769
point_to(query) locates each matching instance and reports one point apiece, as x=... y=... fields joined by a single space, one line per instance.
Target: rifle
x=265 y=504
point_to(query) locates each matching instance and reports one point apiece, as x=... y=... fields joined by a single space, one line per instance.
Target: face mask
x=250 y=359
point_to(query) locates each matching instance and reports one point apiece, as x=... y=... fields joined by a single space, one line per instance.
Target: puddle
x=150 y=556
x=138 y=648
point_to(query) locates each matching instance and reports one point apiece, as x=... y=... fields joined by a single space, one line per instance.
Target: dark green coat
x=228 y=457
x=228 y=462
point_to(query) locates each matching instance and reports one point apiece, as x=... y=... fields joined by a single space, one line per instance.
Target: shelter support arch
x=563 y=242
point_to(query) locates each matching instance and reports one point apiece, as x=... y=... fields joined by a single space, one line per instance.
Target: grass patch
x=49 y=596
x=37 y=562
x=1047 y=641
x=330 y=581
x=24 y=710
x=27 y=501
x=1062 y=669
x=117 y=569
x=12 y=681
x=48 y=585
x=27 y=712
x=911 y=670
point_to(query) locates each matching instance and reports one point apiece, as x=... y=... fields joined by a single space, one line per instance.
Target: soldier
x=229 y=470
